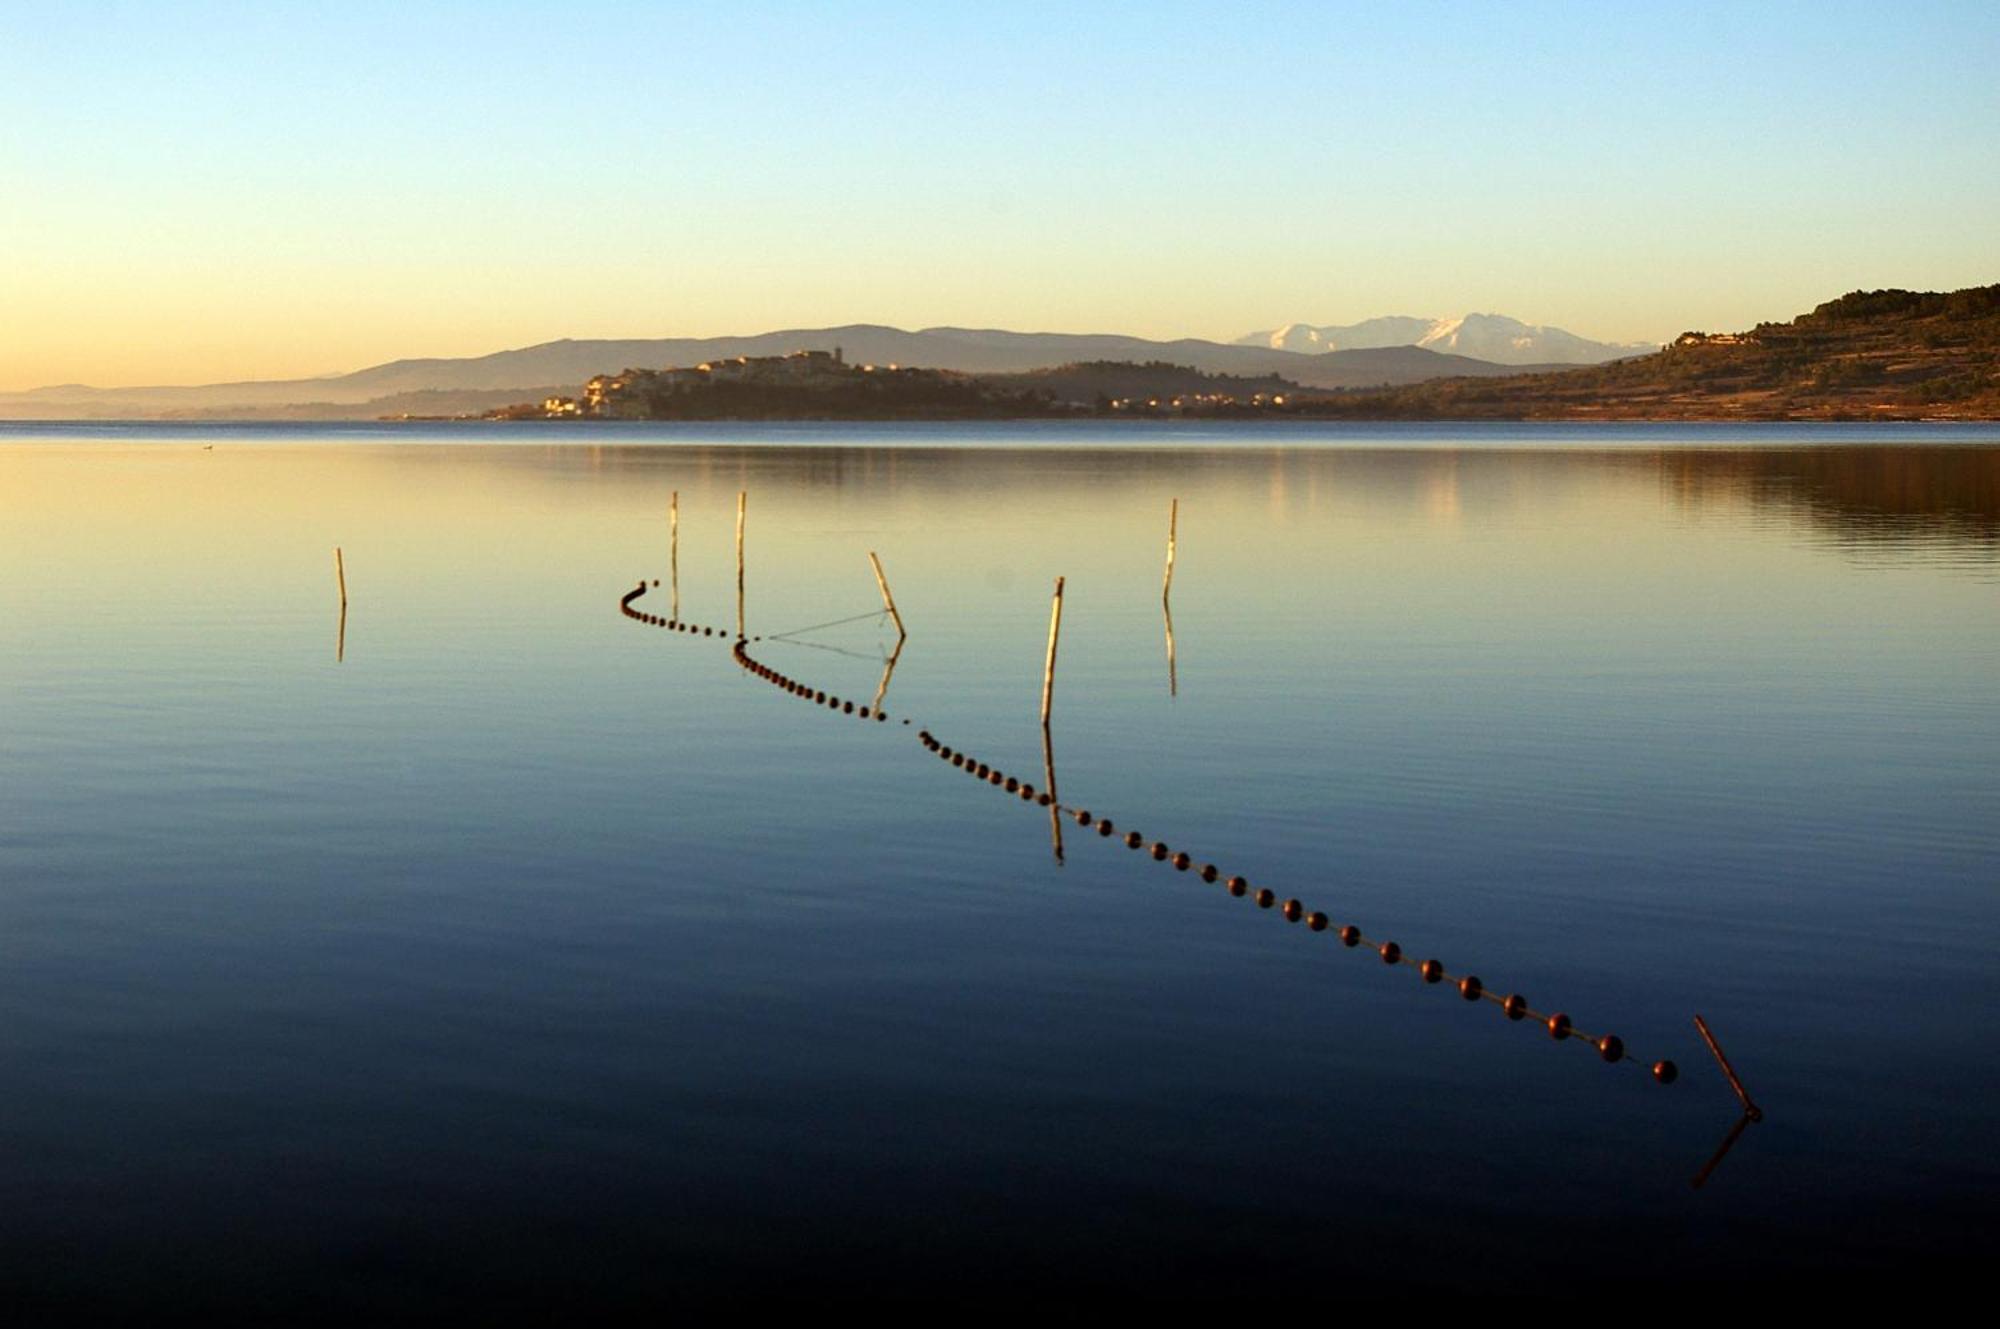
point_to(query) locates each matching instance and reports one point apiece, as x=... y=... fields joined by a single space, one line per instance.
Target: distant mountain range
x=1491 y=337
x=450 y=386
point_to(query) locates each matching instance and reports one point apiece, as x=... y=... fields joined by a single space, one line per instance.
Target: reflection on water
x=1945 y=499
x=519 y=962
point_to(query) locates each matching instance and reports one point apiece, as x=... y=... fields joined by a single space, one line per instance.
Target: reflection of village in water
x=1559 y=1026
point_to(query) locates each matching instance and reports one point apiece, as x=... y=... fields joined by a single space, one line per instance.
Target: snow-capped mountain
x=1492 y=337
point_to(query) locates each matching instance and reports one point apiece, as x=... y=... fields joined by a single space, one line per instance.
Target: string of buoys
x=1431 y=972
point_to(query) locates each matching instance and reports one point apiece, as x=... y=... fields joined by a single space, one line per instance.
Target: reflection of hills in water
x=1880 y=497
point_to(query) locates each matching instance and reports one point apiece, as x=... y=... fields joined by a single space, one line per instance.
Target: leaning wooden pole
x=888 y=600
x=340 y=575
x=1049 y=666
x=1173 y=521
x=742 y=496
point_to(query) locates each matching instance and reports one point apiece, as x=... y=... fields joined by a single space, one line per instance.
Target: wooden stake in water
x=674 y=552
x=1751 y=1112
x=1049 y=666
x=888 y=600
x=340 y=633
x=1173 y=521
x=742 y=496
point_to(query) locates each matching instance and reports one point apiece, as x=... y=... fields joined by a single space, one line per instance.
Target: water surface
x=496 y=951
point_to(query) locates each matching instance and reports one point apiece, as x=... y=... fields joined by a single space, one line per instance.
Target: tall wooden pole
x=888 y=600
x=674 y=552
x=1173 y=521
x=742 y=496
x=1049 y=666
x=340 y=633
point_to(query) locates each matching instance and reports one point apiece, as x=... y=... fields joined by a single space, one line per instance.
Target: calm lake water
x=496 y=951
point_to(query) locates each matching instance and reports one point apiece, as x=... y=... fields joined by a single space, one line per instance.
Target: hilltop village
x=818 y=384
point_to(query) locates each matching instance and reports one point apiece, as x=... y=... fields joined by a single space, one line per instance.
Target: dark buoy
x=994 y=778
x=1104 y=826
x=1133 y=839
x=1470 y=987
x=1666 y=1072
x=1265 y=898
x=1012 y=784
x=1159 y=851
x=1350 y=935
x=1237 y=886
x=1208 y=872
x=1516 y=1006
x=1611 y=1047
x=1558 y=1026
x=1391 y=952
x=1316 y=921
x=1294 y=911
x=1182 y=862
x=1082 y=818
x=1432 y=970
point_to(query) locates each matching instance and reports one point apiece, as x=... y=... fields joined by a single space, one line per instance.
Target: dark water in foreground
x=532 y=957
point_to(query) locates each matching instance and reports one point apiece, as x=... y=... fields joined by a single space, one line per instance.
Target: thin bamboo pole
x=1750 y=1109
x=340 y=633
x=674 y=552
x=1173 y=522
x=742 y=496
x=888 y=600
x=1049 y=666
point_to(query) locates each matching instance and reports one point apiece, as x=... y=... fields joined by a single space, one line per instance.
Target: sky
x=210 y=192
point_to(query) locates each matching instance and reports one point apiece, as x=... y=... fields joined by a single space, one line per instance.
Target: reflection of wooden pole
x=340 y=640
x=674 y=552
x=1173 y=675
x=340 y=575
x=888 y=600
x=1049 y=667
x=1055 y=805
x=1173 y=521
x=741 y=497
x=1715 y=1159
x=888 y=672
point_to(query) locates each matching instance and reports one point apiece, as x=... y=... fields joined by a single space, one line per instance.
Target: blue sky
x=199 y=192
